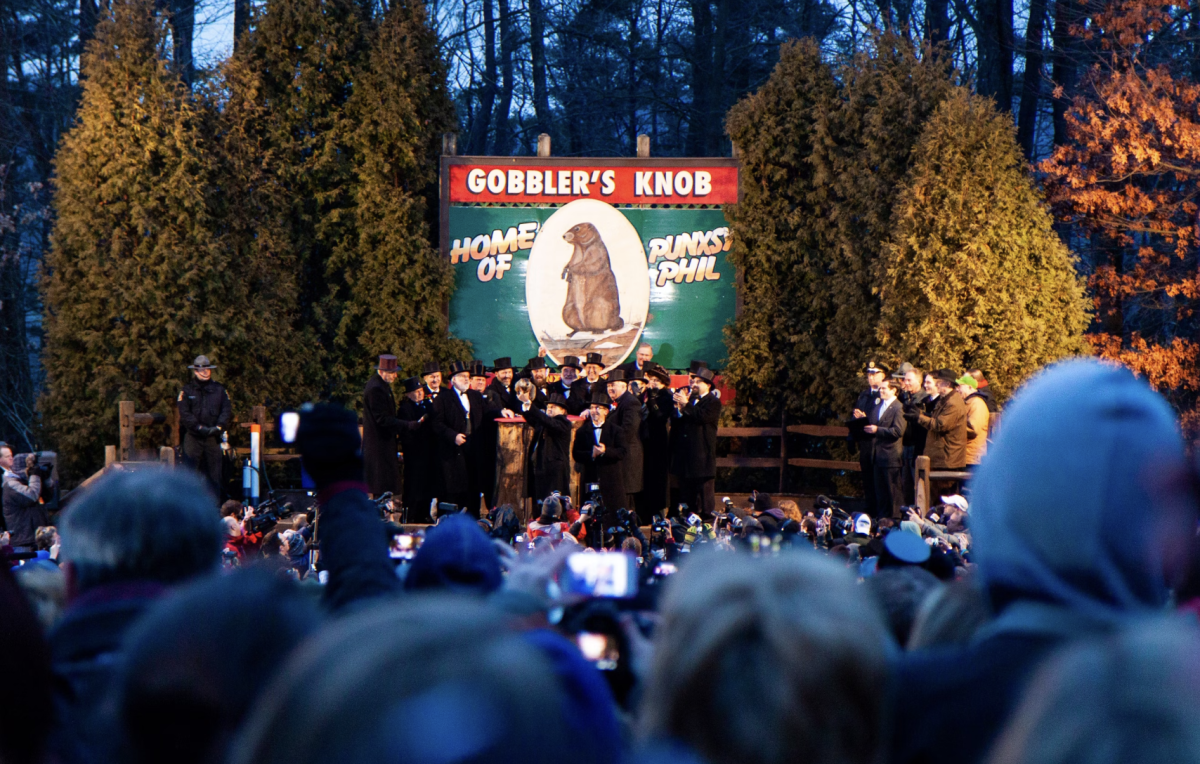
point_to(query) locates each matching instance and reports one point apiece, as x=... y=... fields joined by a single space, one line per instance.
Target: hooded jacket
x=1071 y=506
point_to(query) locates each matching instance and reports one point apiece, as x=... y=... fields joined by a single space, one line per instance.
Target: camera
x=268 y=515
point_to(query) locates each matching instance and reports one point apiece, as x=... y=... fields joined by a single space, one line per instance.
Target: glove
x=329 y=444
x=206 y=432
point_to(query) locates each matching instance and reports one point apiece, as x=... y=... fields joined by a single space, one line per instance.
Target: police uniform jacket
x=204 y=404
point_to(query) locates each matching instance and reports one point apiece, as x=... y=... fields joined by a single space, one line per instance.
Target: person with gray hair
x=768 y=660
x=125 y=540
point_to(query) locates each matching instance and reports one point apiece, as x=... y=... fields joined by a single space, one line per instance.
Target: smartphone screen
x=603 y=574
x=289 y=423
x=600 y=649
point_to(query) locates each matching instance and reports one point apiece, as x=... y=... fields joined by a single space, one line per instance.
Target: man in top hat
x=577 y=402
x=644 y=355
x=694 y=459
x=502 y=383
x=593 y=364
x=382 y=428
x=458 y=414
x=479 y=377
x=431 y=375
x=550 y=449
x=656 y=461
x=627 y=411
x=536 y=372
x=204 y=413
x=599 y=451
x=867 y=401
x=415 y=443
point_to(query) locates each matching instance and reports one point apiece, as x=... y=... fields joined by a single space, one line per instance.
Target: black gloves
x=329 y=444
x=206 y=432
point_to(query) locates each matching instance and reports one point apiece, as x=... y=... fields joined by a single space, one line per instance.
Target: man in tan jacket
x=946 y=444
x=977 y=418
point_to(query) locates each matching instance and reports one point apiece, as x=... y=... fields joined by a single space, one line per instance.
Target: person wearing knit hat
x=599 y=453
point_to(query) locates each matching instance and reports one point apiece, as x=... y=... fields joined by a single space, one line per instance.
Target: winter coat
x=23 y=514
x=204 y=404
x=946 y=443
x=977 y=428
x=607 y=469
x=549 y=453
x=381 y=429
x=695 y=449
x=629 y=419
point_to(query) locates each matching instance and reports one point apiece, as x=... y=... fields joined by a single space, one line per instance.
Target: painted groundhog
x=593 y=302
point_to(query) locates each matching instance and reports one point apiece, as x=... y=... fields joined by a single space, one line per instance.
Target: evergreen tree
x=863 y=155
x=777 y=352
x=975 y=276
x=398 y=283
x=293 y=76
x=137 y=283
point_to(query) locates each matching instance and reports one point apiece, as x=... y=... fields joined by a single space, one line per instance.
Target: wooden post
x=166 y=456
x=510 y=466
x=921 y=481
x=783 y=457
x=110 y=456
x=125 y=423
x=643 y=146
x=543 y=145
x=258 y=415
x=176 y=435
x=576 y=491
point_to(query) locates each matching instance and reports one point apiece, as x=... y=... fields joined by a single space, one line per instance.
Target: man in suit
x=418 y=457
x=627 y=410
x=886 y=425
x=644 y=355
x=694 y=458
x=431 y=375
x=656 y=462
x=501 y=384
x=549 y=450
x=910 y=393
x=458 y=414
x=536 y=372
x=593 y=364
x=568 y=376
x=599 y=453
x=382 y=428
x=867 y=400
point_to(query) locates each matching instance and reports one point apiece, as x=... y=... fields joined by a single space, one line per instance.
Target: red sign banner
x=624 y=184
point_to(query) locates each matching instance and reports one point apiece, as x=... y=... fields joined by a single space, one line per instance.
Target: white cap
x=955 y=501
x=862 y=524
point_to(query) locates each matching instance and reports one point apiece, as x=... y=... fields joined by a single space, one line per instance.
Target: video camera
x=267 y=516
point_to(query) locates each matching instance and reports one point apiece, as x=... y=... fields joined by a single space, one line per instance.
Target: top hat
x=502 y=363
x=556 y=399
x=412 y=384
x=695 y=365
x=478 y=369
x=633 y=375
x=593 y=358
x=536 y=363
x=387 y=362
x=599 y=398
x=458 y=367
x=655 y=370
x=571 y=362
x=616 y=375
x=706 y=374
x=201 y=363
x=433 y=367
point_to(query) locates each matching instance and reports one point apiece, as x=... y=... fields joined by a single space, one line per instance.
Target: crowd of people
x=1052 y=618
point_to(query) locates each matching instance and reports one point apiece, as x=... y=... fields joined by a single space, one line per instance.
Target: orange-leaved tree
x=1126 y=186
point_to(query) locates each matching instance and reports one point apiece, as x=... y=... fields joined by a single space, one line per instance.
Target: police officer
x=204 y=413
x=867 y=401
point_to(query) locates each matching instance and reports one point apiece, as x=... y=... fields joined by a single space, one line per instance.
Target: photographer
x=22 y=513
x=204 y=412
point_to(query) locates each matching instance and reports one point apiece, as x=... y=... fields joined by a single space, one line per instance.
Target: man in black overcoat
x=886 y=428
x=550 y=448
x=656 y=446
x=536 y=372
x=419 y=485
x=458 y=414
x=204 y=414
x=694 y=461
x=599 y=451
x=627 y=410
x=583 y=388
x=382 y=428
x=867 y=400
x=568 y=376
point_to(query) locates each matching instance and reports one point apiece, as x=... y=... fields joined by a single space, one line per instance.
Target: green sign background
x=686 y=321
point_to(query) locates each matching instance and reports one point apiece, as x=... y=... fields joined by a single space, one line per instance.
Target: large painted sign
x=590 y=256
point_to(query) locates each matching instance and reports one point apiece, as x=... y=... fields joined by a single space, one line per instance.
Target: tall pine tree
x=397 y=282
x=975 y=276
x=778 y=355
x=138 y=280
